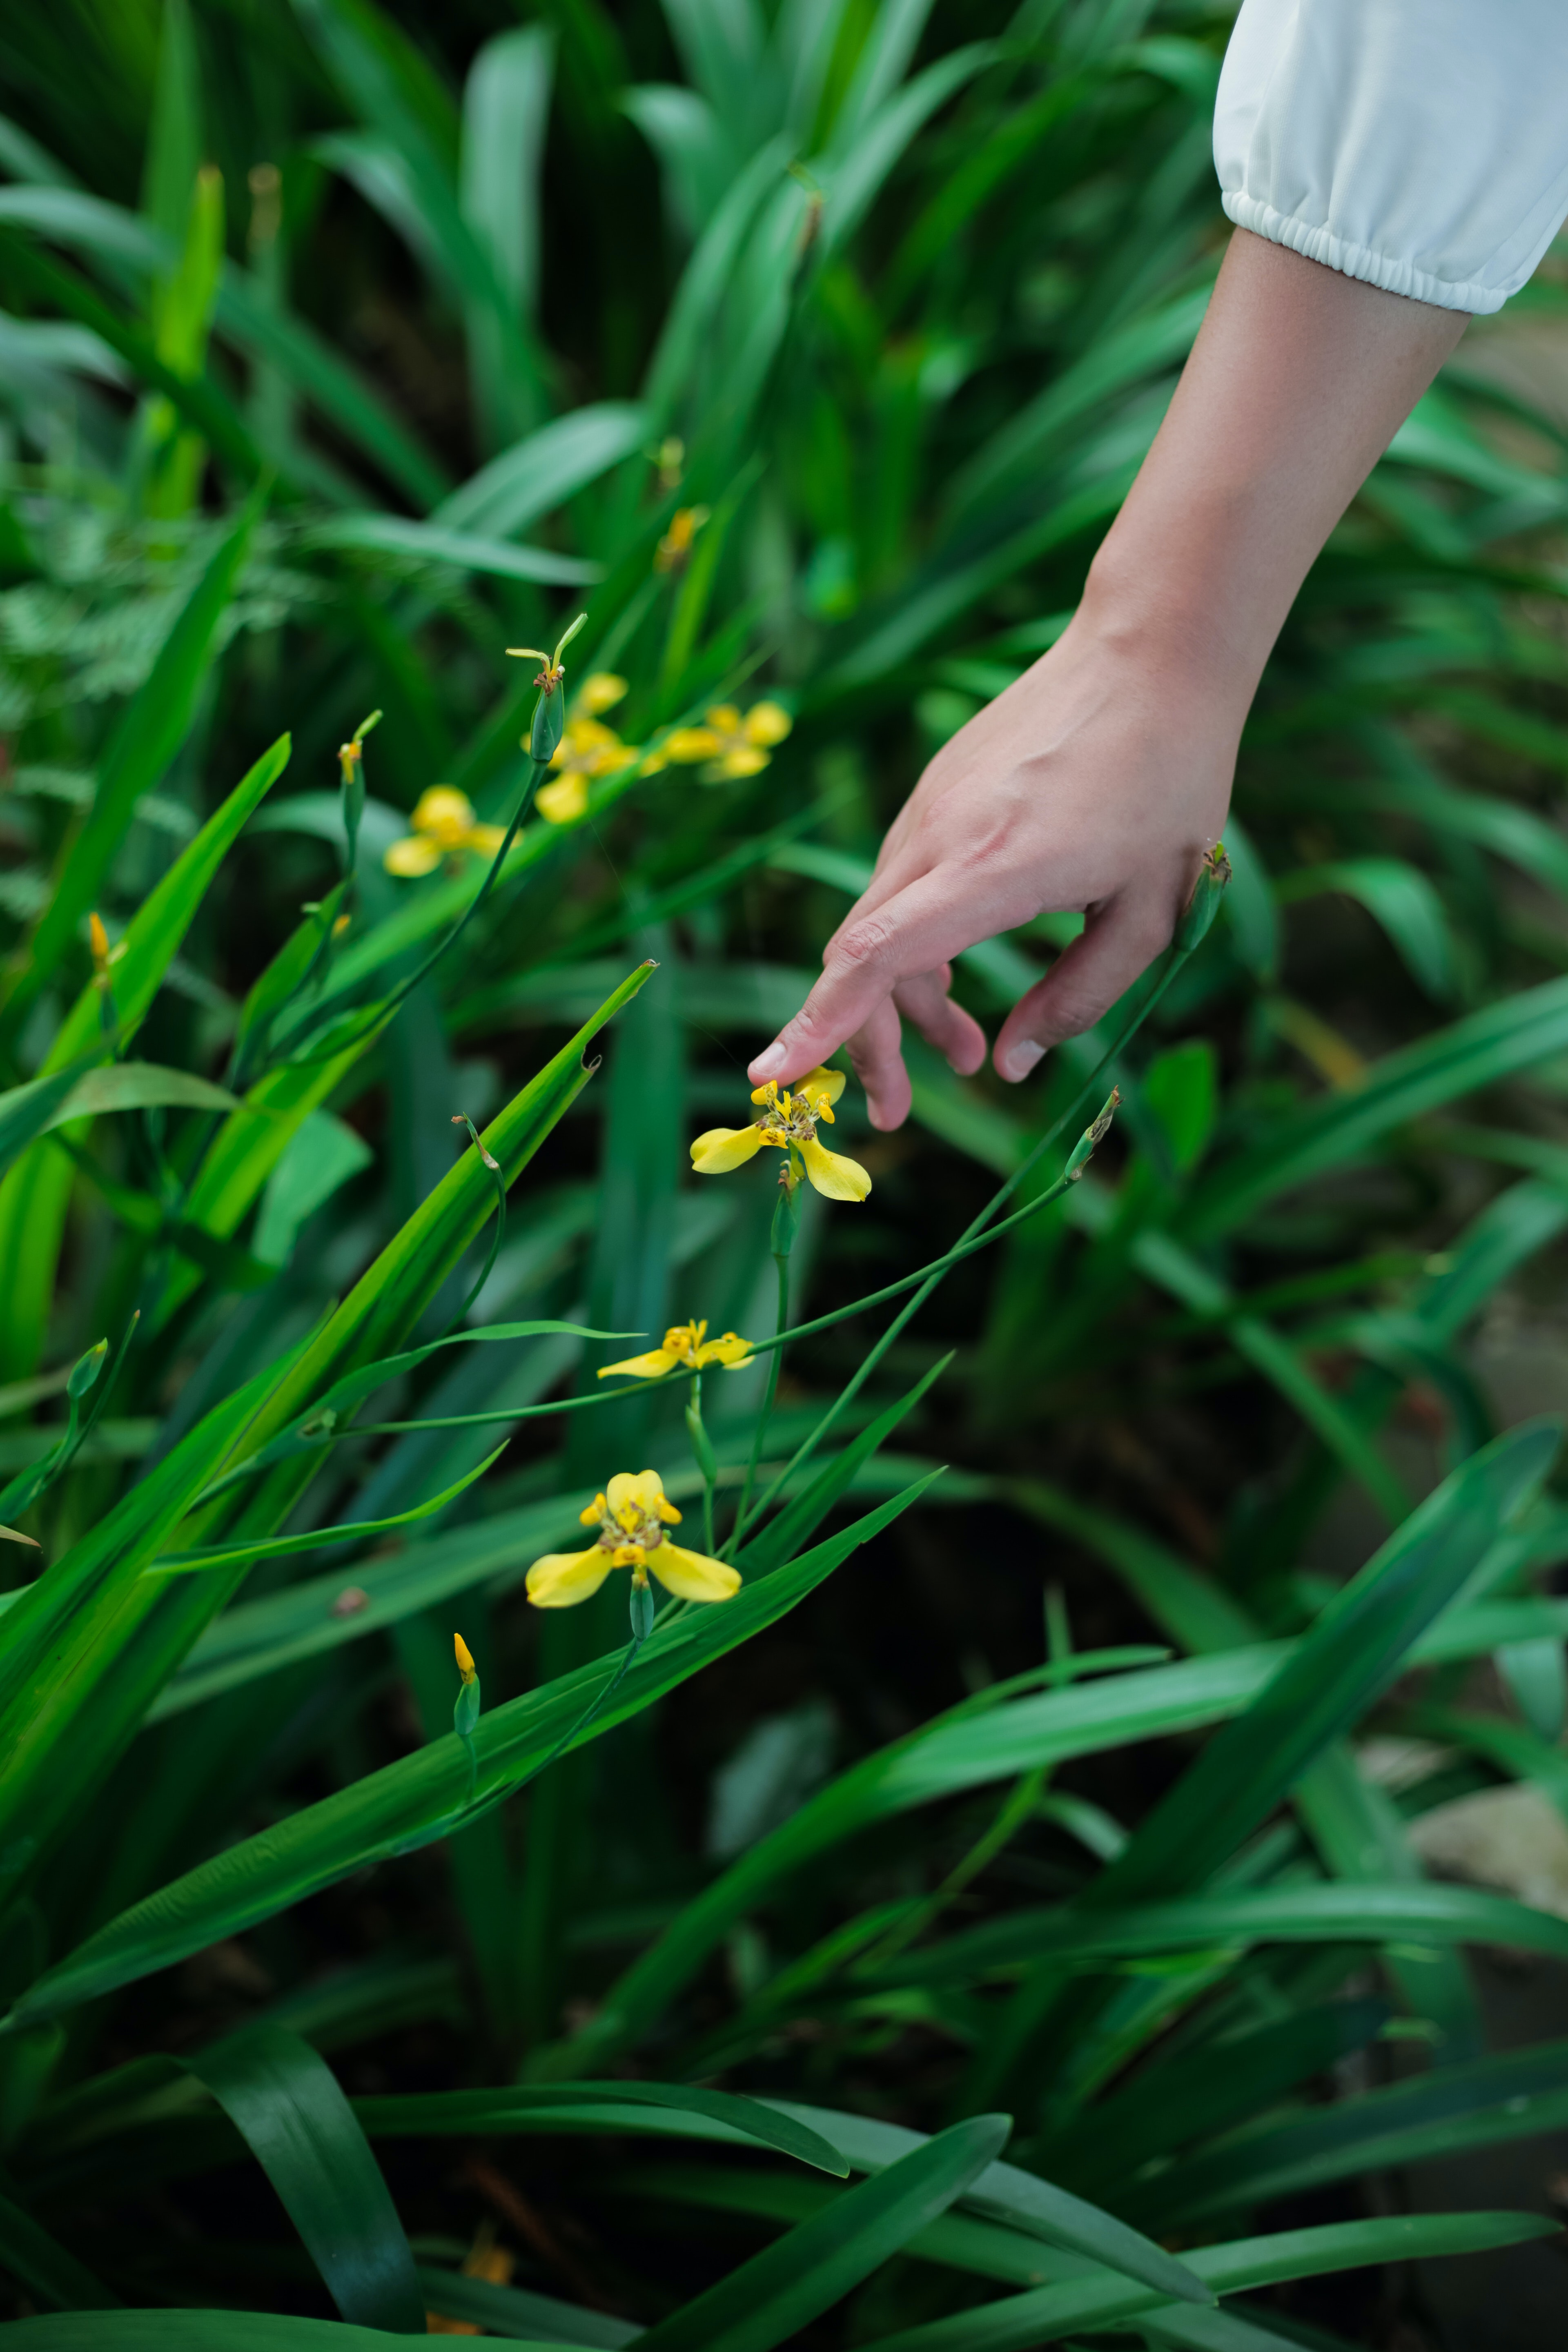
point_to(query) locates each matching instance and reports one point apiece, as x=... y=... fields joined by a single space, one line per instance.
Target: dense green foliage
x=807 y=348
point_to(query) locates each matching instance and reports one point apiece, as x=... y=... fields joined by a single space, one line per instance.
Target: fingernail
x=1021 y=1059
x=768 y=1064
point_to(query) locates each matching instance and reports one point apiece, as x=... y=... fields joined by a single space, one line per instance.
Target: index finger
x=878 y=946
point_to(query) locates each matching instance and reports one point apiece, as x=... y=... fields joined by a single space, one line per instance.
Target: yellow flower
x=444 y=826
x=788 y=1122
x=465 y=1658
x=586 y=749
x=734 y=746
x=675 y=547
x=631 y=1518
x=684 y=1344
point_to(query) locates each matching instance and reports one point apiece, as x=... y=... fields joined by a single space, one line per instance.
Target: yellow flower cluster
x=444 y=826
x=631 y=1516
x=788 y=1123
x=684 y=1344
x=733 y=745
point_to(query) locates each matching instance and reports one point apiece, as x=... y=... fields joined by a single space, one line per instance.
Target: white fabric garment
x=1419 y=144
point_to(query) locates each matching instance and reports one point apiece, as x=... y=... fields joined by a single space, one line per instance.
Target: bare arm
x=1098 y=779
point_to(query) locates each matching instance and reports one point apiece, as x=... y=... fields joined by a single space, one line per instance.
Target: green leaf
x=186 y=1563
x=1336 y=1132
x=1341 y=1911
x=1350 y=1658
x=518 y=2311
x=783 y=2289
x=1022 y=2200
x=1484 y=2104
x=425 y=543
x=501 y=2111
x=134 y=1086
x=154 y=725
x=288 y=2104
x=422 y=1796
x=800 y=1520
x=202 y=2331
x=1020 y=2323
x=1398 y=895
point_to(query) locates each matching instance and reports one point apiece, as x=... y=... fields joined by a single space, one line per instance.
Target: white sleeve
x=1419 y=144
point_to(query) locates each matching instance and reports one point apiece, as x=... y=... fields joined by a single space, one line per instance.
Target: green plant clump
x=1032 y=1859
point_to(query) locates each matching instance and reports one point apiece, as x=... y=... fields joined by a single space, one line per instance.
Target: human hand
x=1096 y=782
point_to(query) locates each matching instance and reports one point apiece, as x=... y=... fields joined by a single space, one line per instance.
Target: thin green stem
x=781 y=1261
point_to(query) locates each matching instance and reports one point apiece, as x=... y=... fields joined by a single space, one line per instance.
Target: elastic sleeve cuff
x=1319 y=243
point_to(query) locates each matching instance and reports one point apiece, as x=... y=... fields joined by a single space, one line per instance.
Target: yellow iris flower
x=444 y=826
x=788 y=1122
x=684 y=1344
x=631 y=1518
x=586 y=749
x=734 y=746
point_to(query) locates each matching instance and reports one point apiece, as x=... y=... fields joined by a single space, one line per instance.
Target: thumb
x=1121 y=939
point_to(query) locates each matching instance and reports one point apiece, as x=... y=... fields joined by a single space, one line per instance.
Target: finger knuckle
x=862 y=947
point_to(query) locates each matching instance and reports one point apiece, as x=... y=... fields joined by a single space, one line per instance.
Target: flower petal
x=724 y=718
x=564 y=801
x=821 y=1081
x=486 y=839
x=414 y=854
x=443 y=812
x=745 y=759
x=729 y=1352
x=602 y=691
x=832 y=1173
x=692 y=1575
x=767 y=723
x=561 y=1579
x=643 y=1487
x=651 y=1367
x=689 y=743
x=723 y=1148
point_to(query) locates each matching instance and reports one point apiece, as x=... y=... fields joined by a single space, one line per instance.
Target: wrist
x=1176 y=621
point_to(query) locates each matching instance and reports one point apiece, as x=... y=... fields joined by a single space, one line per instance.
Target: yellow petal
x=414 y=854
x=723 y=1148
x=767 y=723
x=745 y=759
x=561 y=1579
x=564 y=803
x=651 y=1367
x=486 y=839
x=724 y=719
x=821 y=1082
x=654 y=760
x=668 y=1512
x=444 y=813
x=644 y=1489
x=692 y=1576
x=729 y=1352
x=602 y=691
x=830 y=1172
x=689 y=743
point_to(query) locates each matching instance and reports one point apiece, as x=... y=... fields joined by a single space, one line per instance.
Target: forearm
x=1297 y=383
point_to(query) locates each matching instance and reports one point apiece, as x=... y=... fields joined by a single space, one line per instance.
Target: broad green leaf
x=204 y=2331
x=1019 y=2322
x=1518 y=2095
x=134 y=1086
x=1339 y=1911
x=425 y=543
x=777 y=2293
x=1398 y=895
x=1482 y=1049
x=518 y=2311
x=285 y=2100
x=1346 y=1662
x=502 y=2111
x=1022 y=2200
x=423 y=1796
